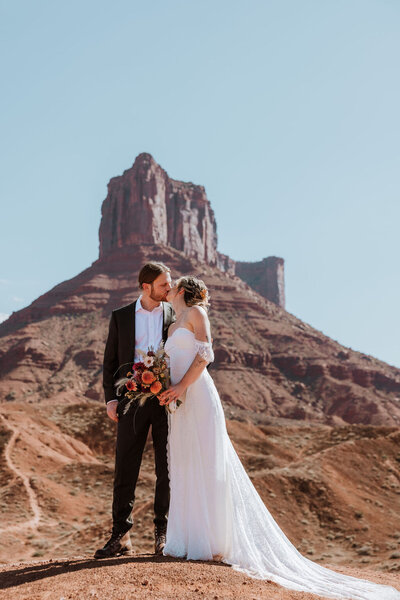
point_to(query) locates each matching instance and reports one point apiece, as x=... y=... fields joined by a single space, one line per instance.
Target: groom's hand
x=112 y=410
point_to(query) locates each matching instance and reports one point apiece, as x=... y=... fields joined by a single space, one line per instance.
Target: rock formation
x=266 y=277
x=145 y=206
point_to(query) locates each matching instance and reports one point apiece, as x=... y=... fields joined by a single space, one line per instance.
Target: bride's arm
x=201 y=328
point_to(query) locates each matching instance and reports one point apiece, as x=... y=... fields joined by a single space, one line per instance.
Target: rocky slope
x=267 y=361
x=335 y=491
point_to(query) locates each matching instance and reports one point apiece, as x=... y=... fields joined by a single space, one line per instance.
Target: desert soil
x=144 y=577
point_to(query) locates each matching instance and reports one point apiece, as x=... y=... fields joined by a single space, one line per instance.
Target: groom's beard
x=158 y=297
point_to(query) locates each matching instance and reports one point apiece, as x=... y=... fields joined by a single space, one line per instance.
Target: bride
x=215 y=511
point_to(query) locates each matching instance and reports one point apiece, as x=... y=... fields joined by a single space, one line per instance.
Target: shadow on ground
x=30 y=573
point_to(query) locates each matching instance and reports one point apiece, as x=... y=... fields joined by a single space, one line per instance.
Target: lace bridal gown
x=216 y=510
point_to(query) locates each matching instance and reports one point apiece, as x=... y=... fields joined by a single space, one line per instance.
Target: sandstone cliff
x=145 y=206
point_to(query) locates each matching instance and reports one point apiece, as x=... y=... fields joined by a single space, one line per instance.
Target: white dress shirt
x=148 y=328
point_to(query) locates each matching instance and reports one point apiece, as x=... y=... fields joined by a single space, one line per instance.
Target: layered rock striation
x=145 y=206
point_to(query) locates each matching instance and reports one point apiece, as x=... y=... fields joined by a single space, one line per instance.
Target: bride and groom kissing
x=205 y=505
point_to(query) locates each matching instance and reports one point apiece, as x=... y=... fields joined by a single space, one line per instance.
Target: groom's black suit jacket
x=120 y=345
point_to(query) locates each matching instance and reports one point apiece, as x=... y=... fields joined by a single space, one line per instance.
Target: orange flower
x=131 y=385
x=156 y=387
x=147 y=377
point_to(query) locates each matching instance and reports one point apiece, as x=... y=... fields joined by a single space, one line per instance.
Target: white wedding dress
x=216 y=510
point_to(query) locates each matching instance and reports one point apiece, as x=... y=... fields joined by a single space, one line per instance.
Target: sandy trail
x=32 y=498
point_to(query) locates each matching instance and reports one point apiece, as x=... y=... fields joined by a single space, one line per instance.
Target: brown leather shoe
x=119 y=544
x=160 y=535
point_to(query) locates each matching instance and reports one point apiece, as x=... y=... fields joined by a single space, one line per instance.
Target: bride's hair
x=196 y=291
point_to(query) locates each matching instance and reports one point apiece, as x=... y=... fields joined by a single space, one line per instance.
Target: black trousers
x=132 y=433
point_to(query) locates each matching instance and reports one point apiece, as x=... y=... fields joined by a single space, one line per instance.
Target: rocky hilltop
x=145 y=206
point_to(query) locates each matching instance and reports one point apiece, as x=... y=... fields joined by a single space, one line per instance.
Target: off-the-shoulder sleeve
x=204 y=349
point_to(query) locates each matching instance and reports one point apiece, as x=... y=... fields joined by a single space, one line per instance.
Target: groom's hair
x=150 y=271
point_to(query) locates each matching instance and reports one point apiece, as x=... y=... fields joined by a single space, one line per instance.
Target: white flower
x=148 y=361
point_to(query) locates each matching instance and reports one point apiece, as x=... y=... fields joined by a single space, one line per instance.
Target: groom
x=138 y=325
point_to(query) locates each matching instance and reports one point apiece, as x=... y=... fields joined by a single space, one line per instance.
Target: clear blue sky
x=286 y=111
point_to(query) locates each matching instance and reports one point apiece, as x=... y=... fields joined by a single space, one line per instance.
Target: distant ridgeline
x=145 y=206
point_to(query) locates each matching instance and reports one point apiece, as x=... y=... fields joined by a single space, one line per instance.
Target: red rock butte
x=145 y=206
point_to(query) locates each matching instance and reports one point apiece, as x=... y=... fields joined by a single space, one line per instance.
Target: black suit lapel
x=165 y=321
x=168 y=318
x=132 y=330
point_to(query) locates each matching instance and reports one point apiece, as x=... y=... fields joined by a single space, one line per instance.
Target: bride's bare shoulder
x=198 y=313
x=198 y=319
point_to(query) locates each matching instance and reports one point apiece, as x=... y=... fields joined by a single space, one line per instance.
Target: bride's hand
x=171 y=394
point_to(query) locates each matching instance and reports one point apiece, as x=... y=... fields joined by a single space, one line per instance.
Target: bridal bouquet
x=149 y=377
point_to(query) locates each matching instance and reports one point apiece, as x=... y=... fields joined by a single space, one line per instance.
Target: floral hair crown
x=203 y=293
